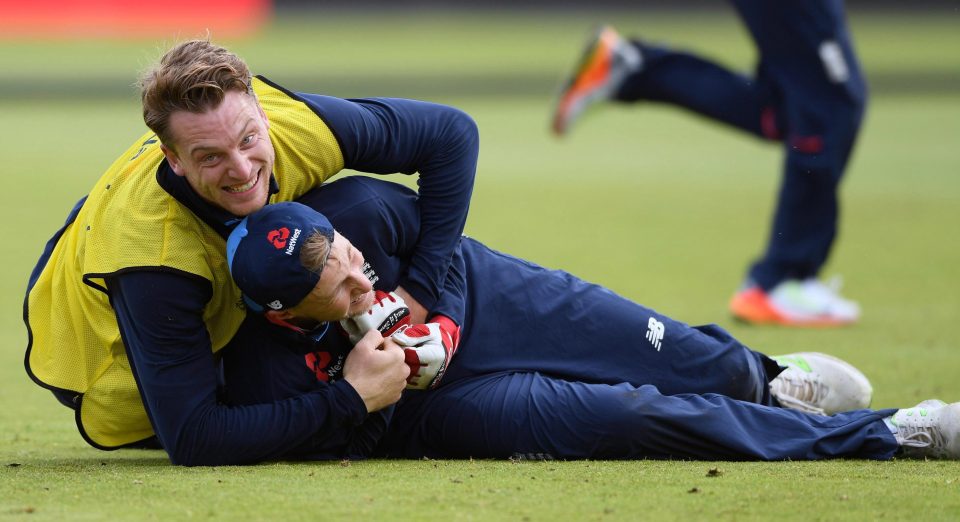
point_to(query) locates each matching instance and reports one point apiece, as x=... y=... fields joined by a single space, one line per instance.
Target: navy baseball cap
x=263 y=253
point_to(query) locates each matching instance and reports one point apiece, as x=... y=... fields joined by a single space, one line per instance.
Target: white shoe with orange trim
x=605 y=62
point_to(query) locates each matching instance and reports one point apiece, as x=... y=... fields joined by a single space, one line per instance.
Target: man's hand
x=387 y=315
x=377 y=371
x=427 y=350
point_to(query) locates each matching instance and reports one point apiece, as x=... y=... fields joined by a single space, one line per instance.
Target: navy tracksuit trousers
x=566 y=368
x=808 y=92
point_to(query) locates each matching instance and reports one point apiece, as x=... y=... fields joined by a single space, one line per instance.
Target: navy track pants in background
x=808 y=92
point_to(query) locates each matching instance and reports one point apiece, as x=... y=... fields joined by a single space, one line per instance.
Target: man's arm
x=386 y=135
x=452 y=303
x=160 y=317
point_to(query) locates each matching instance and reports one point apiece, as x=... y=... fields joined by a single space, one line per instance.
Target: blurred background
x=425 y=48
x=648 y=200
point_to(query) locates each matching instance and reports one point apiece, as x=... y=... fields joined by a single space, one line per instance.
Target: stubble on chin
x=365 y=303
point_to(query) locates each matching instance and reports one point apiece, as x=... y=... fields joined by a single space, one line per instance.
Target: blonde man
x=131 y=303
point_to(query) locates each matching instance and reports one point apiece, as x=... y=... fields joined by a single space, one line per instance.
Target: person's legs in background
x=808 y=92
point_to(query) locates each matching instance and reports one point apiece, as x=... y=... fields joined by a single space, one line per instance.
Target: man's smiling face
x=224 y=153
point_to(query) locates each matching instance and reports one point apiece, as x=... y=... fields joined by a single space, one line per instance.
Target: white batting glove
x=388 y=314
x=427 y=350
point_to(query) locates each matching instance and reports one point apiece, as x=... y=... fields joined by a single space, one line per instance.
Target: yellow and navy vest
x=129 y=222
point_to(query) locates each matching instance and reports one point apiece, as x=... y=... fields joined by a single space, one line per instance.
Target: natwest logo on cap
x=293 y=242
x=278 y=237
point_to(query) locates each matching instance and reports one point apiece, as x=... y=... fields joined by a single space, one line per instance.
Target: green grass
x=647 y=200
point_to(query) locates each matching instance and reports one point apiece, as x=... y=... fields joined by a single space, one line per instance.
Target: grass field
x=647 y=200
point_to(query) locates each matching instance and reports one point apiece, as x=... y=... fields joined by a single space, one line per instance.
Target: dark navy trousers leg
x=498 y=416
x=808 y=91
x=523 y=317
x=702 y=87
x=807 y=53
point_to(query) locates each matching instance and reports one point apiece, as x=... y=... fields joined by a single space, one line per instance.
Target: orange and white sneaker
x=801 y=303
x=606 y=60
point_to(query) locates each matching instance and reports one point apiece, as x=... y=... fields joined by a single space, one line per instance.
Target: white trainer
x=812 y=302
x=930 y=429
x=820 y=383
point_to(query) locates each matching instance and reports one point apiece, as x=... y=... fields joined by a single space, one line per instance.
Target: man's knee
x=848 y=110
x=823 y=134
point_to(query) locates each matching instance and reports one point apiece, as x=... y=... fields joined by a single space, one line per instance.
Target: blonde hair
x=315 y=251
x=193 y=76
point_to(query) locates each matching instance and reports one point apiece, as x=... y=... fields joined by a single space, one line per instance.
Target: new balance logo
x=370 y=273
x=655 y=331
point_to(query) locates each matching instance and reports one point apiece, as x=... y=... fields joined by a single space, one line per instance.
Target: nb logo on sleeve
x=655 y=331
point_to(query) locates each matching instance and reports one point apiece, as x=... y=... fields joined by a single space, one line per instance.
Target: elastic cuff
x=421 y=293
x=444 y=322
x=355 y=410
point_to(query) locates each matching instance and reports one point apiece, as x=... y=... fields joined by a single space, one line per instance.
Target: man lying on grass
x=516 y=359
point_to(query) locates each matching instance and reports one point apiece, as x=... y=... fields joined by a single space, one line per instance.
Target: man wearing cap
x=543 y=364
x=131 y=302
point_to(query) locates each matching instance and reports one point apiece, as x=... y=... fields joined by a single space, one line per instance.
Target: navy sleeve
x=387 y=135
x=452 y=302
x=160 y=317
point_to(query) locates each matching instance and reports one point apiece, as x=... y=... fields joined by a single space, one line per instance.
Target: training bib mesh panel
x=130 y=223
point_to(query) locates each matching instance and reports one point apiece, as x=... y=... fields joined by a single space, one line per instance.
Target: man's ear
x=279 y=315
x=173 y=160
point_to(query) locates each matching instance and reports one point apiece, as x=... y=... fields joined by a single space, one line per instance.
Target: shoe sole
x=750 y=307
